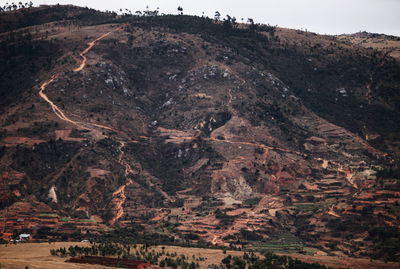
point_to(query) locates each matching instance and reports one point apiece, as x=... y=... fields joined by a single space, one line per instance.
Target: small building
x=24 y=237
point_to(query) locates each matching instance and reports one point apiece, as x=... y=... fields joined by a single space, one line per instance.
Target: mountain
x=197 y=131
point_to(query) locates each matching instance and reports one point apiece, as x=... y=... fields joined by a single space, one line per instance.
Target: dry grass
x=346 y=262
x=391 y=46
x=37 y=256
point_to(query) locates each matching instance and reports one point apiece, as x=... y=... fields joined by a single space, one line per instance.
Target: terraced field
x=285 y=243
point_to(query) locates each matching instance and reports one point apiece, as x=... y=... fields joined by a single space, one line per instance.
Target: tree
x=252 y=26
x=233 y=20
x=227 y=261
x=162 y=263
x=180 y=10
x=228 y=23
x=217 y=16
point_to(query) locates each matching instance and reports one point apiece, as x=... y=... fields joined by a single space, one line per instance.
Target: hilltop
x=386 y=43
x=186 y=130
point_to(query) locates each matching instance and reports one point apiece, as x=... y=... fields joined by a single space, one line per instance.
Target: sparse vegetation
x=253 y=261
x=252 y=201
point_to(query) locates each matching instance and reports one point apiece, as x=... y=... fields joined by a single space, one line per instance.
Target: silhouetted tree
x=180 y=10
x=252 y=25
x=217 y=16
x=227 y=23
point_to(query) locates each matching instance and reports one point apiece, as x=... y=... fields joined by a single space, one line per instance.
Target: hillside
x=197 y=132
x=386 y=43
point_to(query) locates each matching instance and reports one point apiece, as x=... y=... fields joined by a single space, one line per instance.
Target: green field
x=86 y=220
x=284 y=242
x=49 y=215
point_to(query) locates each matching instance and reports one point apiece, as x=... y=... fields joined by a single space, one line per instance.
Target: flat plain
x=37 y=256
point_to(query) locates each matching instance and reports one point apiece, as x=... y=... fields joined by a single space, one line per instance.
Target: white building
x=24 y=237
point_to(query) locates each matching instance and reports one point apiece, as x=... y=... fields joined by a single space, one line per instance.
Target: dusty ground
x=37 y=256
x=345 y=262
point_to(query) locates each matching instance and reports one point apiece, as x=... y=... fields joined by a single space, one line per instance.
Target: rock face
x=225 y=136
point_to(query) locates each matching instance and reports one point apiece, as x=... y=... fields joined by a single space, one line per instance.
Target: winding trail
x=120 y=192
x=55 y=108
x=91 y=45
x=243 y=82
x=82 y=65
x=230 y=101
x=118 y=203
x=60 y=114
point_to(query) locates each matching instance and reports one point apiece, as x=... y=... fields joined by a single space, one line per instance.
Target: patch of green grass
x=86 y=220
x=283 y=242
x=48 y=215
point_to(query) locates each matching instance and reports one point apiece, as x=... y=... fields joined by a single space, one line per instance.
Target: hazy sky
x=321 y=16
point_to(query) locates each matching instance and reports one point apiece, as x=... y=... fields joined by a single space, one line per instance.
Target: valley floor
x=37 y=256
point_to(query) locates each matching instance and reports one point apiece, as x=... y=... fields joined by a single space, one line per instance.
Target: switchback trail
x=82 y=65
x=55 y=108
x=91 y=45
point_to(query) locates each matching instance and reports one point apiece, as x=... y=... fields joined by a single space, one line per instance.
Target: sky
x=320 y=16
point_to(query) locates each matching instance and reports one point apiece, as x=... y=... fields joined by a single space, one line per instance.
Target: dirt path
x=119 y=198
x=243 y=81
x=91 y=45
x=55 y=108
x=60 y=114
x=119 y=194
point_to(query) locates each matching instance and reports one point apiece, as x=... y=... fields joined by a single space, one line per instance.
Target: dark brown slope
x=203 y=131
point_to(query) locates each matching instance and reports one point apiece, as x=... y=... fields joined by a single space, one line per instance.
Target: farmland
x=37 y=256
